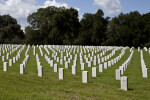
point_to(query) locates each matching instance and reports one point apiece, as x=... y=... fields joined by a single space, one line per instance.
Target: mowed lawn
x=29 y=86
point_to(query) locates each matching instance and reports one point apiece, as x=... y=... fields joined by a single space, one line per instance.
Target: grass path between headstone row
x=104 y=87
x=139 y=87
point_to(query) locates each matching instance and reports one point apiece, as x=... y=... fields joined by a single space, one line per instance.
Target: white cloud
x=56 y=4
x=110 y=7
x=78 y=9
x=20 y=9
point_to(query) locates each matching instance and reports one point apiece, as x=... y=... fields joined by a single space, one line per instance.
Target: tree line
x=61 y=26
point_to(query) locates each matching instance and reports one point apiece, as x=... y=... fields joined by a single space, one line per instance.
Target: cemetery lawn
x=29 y=86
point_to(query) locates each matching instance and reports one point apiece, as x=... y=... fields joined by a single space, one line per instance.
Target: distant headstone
x=40 y=71
x=100 y=68
x=94 y=62
x=14 y=59
x=51 y=63
x=99 y=61
x=89 y=63
x=105 y=65
x=109 y=63
x=3 y=58
x=66 y=64
x=10 y=62
x=57 y=59
x=82 y=66
x=61 y=61
x=94 y=71
x=118 y=74
x=55 y=68
x=74 y=70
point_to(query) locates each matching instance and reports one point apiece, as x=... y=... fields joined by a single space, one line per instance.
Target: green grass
x=29 y=86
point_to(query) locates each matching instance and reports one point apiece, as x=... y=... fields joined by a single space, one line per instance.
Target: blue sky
x=20 y=9
x=88 y=6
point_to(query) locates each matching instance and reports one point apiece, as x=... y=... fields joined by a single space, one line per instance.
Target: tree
x=93 y=27
x=10 y=31
x=125 y=30
x=53 y=25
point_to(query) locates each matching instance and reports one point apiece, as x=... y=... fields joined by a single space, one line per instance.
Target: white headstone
x=81 y=60
x=105 y=65
x=109 y=63
x=51 y=63
x=14 y=59
x=82 y=66
x=99 y=61
x=91 y=58
x=101 y=68
x=124 y=83
x=122 y=69
x=40 y=71
x=89 y=63
x=94 y=62
x=10 y=62
x=55 y=68
x=61 y=61
x=66 y=64
x=64 y=58
x=69 y=60
x=75 y=62
x=57 y=59
x=118 y=74
x=5 y=66
x=3 y=58
x=61 y=73
x=94 y=72
x=21 y=68
x=74 y=70
x=84 y=76
x=102 y=59
x=24 y=63
x=7 y=57
x=145 y=72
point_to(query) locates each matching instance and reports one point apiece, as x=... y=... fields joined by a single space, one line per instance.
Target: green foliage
x=93 y=27
x=130 y=29
x=10 y=31
x=53 y=25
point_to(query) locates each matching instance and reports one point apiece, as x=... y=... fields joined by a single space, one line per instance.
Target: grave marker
x=84 y=76
x=74 y=70
x=10 y=62
x=118 y=74
x=5 y=66
x=21 y=68
x=61 y=73
x=124 y=83
x=40 y=71
x=55 y=68
x=94 y=72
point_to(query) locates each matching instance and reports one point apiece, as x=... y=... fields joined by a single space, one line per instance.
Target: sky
x=20 y=9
